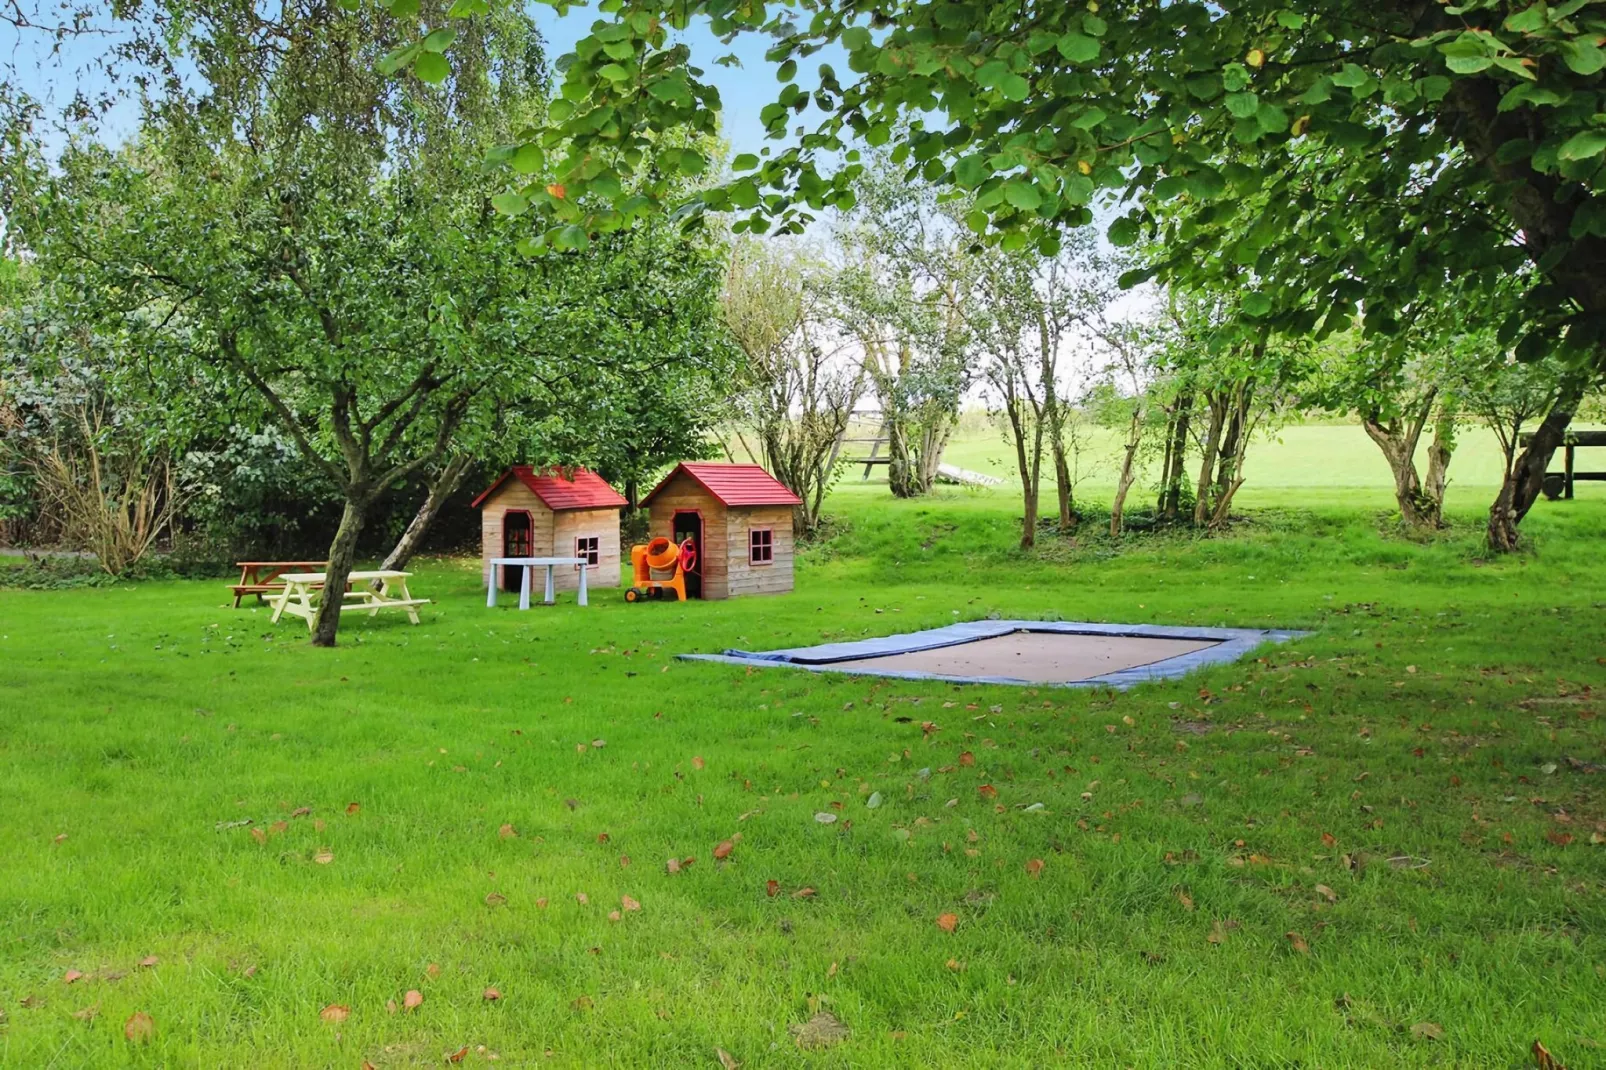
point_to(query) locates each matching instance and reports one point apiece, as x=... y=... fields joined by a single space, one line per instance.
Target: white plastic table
x=525 y=565
x=301 y=587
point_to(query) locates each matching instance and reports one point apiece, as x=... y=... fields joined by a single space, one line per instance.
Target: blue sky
x=28 y=61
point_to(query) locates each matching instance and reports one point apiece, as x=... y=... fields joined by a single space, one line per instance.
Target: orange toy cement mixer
x=663 y=556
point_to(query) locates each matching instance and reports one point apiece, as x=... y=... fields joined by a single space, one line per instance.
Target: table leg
x=583 y=585
x=551 y=595
x=524 y=586
x=279 y=603
x=406 y=596
x=490 y=588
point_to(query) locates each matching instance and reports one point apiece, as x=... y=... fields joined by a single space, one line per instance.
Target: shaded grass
x=1429 y=722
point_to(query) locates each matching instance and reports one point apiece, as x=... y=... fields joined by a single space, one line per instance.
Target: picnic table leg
x=524 y=586
x=401 y=587
x=551 y=595
x=490 y=588
x=583 y=585
x=279 y=603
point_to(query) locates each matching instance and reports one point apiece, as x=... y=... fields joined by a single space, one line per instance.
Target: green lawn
x=1413 y=793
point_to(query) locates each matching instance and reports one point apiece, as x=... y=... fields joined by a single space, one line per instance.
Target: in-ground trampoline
x=1042 y=653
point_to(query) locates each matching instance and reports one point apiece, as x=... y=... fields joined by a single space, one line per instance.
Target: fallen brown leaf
x=433 y=970
x=1327 y=893
x=259 y=836
x=723 y=850
x=583 y=1004
x=988 y=791
x=71 y=976
x=629 y=903
x=457 y=1056
x=804 y=893
x=1035 y=867
x=148 y=961
x=88 y=1014
x=413 y=999
x=139 y=1028
x=335 y=1012
x=323 y=858
x=581 y=898
x=947 y=922
x=352 y=809
x=492 y=995
x=1543 y=1060
x=1329 y=840
x=1217 y=934
x=495 y=899
x=1428 y=1031
x=673 y=865
x=772 y=888
x=614 y=915
x=507 y=832
x=726 y=1059
x=697 y=763
x=967 y=758
x=1298 y=943
x=1185 y=899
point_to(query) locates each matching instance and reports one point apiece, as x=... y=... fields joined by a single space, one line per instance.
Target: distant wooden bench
x=263 y=577
x=1560 y=484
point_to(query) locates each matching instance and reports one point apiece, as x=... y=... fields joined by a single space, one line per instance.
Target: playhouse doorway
x=690 y=526
x=518 y=540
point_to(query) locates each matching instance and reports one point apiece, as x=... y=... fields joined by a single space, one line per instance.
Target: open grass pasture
x=1379 y=846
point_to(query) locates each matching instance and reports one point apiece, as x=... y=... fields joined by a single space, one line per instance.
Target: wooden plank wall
x=515 y=495
x=684 y=494
x=746 y=578
x=572 y=524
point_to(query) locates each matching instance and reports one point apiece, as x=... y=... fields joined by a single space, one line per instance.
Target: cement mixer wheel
x=633 y=594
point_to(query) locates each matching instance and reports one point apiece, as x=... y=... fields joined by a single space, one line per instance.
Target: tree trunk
x=1176 y=455
x=1207 y=464
x=1398 y=445
x=1438 y=477
x=1134 y=438
x=1063 y=487
x=1525 y=477
x=444 y=486
x=342 y=553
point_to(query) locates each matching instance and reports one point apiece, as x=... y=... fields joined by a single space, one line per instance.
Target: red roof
x=585 y=490
x=733 y=484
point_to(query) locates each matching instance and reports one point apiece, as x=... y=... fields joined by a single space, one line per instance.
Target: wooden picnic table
x=262 y=577
x=525 y=565
x=299 y=587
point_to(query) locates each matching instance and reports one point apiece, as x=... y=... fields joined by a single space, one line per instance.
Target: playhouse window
x=760 y=546
x=590 y=548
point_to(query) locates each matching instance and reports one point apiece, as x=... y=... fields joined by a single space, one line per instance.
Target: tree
x=796 y=390
x=1400 y=147
x=315 y=230
x=903 y=294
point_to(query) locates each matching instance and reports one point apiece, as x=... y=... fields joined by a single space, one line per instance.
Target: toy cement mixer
x=661 y=555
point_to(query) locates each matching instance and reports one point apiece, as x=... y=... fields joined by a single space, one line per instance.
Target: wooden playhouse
x=740 y=518
x=530 y=513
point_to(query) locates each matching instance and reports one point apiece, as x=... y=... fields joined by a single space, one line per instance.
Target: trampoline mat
x=1035 y=657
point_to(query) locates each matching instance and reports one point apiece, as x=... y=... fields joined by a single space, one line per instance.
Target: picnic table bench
x=264 y=577
x=299 y=588
x=1560 y=484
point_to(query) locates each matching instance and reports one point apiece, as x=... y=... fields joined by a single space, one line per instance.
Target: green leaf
x=1527 y=20
x=1243 y=105
x=787 y=71
x=971 y=171
x=744 y=162
x=855 y=38
x=1078 y=48
x=615 y=72
x=1256 y=304
x=1583 y=145
x=559 y=110
x=440 y=40
x=528 y=158
x=404 y=9
x=1272 y=119
x=1171 y=186
x=1434 y=86
x=1094 y=25
x=510 y=204
x=1290 y=20
x=1123 y=232
x=691 y=162
x=1583 y=56
x=1014 y=87
x=1468 y=64
x=432 y=67
x=569 y=238
x=1351 y=76
x=1021 y=193
x=1089 y=119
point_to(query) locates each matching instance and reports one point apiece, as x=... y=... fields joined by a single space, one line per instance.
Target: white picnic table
x=526 y=565
x=300 y=587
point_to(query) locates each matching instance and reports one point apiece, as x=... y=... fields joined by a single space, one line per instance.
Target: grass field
x=1379 y=846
